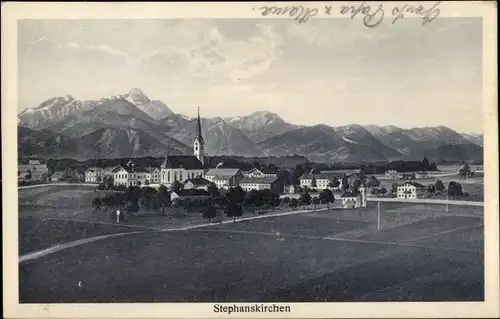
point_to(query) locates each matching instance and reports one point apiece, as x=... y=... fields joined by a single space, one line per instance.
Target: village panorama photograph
x=250 y=160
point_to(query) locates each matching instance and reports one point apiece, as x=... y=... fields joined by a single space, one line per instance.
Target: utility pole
x=378 y=216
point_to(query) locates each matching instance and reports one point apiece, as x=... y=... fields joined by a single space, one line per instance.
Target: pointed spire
x=198 y=128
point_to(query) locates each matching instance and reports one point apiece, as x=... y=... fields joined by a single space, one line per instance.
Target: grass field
x=421 y=252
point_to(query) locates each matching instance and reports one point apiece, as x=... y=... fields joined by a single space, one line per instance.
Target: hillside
x=461 y=153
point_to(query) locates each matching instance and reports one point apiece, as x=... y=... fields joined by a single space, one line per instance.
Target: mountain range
x=132 y=124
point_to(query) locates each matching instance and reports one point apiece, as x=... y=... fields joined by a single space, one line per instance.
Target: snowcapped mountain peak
x=137 y=96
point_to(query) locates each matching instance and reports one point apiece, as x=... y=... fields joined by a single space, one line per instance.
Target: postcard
x=250 y=160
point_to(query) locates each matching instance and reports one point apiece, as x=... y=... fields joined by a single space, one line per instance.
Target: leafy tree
x=439 y=186
x=232 y=209
x=97 y=203
x=345 y=182
x=431 y=189
x=356 y=184
x=28 y=175
x=327 y=197
x=176 y=186
x=394 y=188
x=286 y=200
x=294 y=203
x=305 y=198
x=109 y=181
x=210 y=212
x=373 y=182
x=99 y=179
x=383 y=191
x=334 y=183
x=455 y=189
x=315 y=201
x=464 y=171
x=212 y=190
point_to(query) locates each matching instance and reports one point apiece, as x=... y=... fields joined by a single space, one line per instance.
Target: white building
x=224 y=177
x=129 y=175
x=411 y=190
x=249 y=183
x=354 y=199
x=392 y=174
x=153 y=176
x=322 y=180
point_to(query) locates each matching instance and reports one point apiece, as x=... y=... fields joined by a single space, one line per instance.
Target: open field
x=421 y=252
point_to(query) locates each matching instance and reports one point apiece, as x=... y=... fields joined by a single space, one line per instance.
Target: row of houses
x=393 y=174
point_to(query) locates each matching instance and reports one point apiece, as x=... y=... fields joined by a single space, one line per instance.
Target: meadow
x=420 y=252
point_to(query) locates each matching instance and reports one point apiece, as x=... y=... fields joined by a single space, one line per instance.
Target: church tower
x=199 y=143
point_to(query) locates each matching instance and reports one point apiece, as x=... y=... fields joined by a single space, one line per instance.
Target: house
x=251 y=183
x=224 y=177
x=56 y=176
x=261 y=173
x=411 y=190
x=153 y=176
x=392 y=174
x=34 y=171
x=322 y=180
x=129 y=175
x=93 y=175
x=183 y=167
x=196 y=183
x=422 y=175
x=190 y=193
x=354 y=198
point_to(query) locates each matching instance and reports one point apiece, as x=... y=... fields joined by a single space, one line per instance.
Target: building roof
x=264 y=180
x=350 y=194
x=222 y=178
x=182 y=161
x=222 y=172
x=318 y=176
x=414 y=184
x=197 y=181
x=130 y=169
x=264 y=170
x=191 y=192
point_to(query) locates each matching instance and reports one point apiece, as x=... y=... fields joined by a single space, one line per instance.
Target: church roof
x=182 y=161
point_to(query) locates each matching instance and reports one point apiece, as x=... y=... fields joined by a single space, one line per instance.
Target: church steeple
x=199 y=143
x=198 y=128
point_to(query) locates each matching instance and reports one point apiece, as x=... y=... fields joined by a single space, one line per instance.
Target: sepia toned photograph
x=251 y=163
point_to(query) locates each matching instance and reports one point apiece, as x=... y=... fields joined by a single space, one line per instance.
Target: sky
x=326 y=71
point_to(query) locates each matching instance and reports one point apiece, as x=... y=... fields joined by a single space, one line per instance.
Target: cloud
x=209 y=54
x=41 y=41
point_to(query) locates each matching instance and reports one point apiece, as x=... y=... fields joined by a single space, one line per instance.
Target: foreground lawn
x=36 y=234
x=250 y=261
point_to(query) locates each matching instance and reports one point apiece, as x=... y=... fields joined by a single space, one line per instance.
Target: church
x=183 y=167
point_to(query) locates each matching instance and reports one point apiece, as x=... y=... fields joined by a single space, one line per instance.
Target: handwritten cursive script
x=300 y=13
x=373 y=16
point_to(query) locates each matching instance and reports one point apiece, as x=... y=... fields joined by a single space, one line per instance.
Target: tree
x=431 y=189
x=132 y=206
x=394 y=188
x=163 y=198
x=356 y=184
x=464 y=171
x=315 y=201
x=109 y=181
x=334 y=183
x=383 y=191
x=327 y=197
x=210 y=212
x=146 y=182
x=294 y=203
x=212 y=190
x=454 y=189
x=425 y=163
x=28 y=175
x=232 y=209
x=305 y=198
x=439 y=186
x=97 y=203
x=176 y=186
x=99 y=179
x=373 y=182
x=345 y=182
